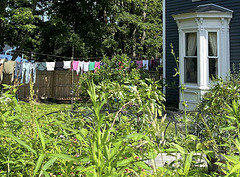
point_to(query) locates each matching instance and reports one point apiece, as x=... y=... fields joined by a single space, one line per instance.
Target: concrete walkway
x=163 y=159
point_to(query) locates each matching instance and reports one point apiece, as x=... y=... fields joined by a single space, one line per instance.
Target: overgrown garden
x=121 y=123
x=120 y=126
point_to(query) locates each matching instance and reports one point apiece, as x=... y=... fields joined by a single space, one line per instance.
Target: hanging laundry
x=155 y=63
x=139 y=64
x=33 y=71
x=1 y=68
x=2 y=61
x=50 y=66
x=102 y=64
x=8 y=57
x=145 y=64
x=97 y=66
x=8 y=68
x=41 y=66
x=91 y=66
x=85 y=66
x=80 y=67
x=18 y=71
x=1 y=72
x=19 y=59
x=75 y=66
x=26 y=72
x=152 y=64
x=59 y=65
x=66 y=64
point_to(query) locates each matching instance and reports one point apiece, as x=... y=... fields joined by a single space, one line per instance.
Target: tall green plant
x=106 y=152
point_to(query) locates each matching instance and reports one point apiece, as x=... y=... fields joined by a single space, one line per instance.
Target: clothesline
x=57 y=56
x=20 y=68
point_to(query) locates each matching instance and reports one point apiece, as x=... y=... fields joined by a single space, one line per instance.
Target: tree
x=113 y=27
x=3 y=5
x=21 y=24
x=94 y=28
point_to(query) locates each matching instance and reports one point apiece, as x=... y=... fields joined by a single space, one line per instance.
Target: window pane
x=213 y=68
x=190 y=70
x=191 y=44
x=212 y=44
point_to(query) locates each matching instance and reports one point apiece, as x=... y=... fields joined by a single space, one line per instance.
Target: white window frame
x=185 y=56
x=218 y=54
x=202 y=23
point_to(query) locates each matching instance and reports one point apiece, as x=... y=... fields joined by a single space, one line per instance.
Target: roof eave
x=213 y=14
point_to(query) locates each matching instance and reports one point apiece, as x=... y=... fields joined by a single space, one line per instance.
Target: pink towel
x=75 y=65
x=97 y=66
x=139 y=64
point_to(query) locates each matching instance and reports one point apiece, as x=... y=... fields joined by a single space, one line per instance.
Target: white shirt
x=66 y=64
x=50 y=66
x=85 y=66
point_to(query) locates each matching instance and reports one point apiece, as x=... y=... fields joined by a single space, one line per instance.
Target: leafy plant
x=231 y=164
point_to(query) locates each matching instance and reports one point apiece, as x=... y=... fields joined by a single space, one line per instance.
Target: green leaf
x=232 y=159
x=40 y=135
x=10 y=162
x=64 y=157
x=187 y=163
x=227 y=128
x=3 y=133
x=152 y=155
x=116 y=148
x=230 y=117
x=84 y=132
x=45 y=173
x=142 y=165
x=125 y=162
x=235 y=168
x=169 y=150
x=179 y=148
x=83 y=169
x=39 y=163
x=49 y=163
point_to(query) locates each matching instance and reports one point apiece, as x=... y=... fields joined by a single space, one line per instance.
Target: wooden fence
x=49 y=84
x=57 y=84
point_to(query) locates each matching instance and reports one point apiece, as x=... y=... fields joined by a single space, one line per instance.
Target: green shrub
x=218 y=121
x=67 y=144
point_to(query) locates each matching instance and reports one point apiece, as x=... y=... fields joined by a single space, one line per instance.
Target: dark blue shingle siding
x=177 y=6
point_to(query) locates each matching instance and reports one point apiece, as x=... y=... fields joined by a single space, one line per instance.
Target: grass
x=43 y=108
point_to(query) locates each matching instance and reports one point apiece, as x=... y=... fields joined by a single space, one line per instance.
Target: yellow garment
x=8 y=68
x=1 y=72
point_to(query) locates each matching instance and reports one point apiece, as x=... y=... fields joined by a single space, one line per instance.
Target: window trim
x=213 y=57
x=185 y=56
x=202 y=23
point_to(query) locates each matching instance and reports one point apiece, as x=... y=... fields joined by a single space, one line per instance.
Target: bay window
x=204 y=52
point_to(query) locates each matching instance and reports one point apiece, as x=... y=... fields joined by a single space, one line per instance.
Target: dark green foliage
x=219 y=115
x=92 y=141
x=94 y=28
x=120 y=83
